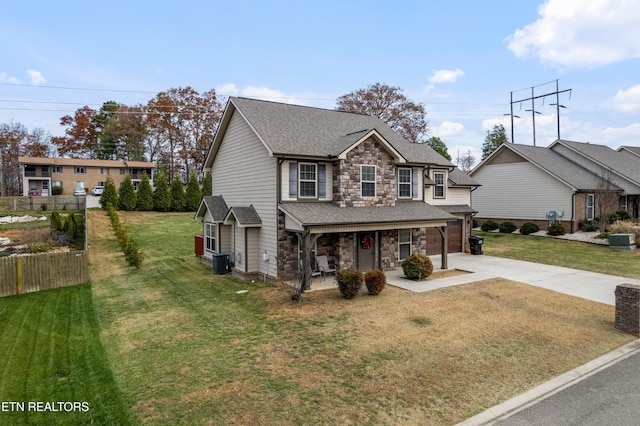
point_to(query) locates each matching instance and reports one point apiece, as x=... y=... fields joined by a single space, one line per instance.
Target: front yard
x=184 y=347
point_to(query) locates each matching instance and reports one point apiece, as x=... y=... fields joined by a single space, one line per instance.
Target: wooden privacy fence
x=43 y=271
x=53 y=202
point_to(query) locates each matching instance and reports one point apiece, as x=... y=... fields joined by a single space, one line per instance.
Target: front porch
x=396 y=278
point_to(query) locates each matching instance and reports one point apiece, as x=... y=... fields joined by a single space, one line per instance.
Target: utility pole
x=533 y=111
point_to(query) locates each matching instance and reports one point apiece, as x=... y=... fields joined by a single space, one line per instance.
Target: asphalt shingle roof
x=305 y=131
x=246 y=216
x=608 y=157
x=217 y=206
x=331 y=214
x=559 y=166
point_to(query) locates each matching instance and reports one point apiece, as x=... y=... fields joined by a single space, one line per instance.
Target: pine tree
x=161 y=195
x=144 y=200
x=194 y=195
x=127 y=194
x=493 y=140
x=109 y=194
x=178 y=199
x=206 y=185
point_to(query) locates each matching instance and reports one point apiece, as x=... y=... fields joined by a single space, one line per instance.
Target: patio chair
x=323 y=266
x=313 y=273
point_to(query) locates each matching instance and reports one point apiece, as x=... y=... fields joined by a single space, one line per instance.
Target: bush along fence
x=42 y=271
x=129 y=246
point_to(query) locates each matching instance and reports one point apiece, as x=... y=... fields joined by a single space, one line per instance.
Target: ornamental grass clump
x=375 y=281
x=417 y=267
x=349 y=283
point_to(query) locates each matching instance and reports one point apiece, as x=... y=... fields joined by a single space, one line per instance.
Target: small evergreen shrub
x=556 y=229
x=375 y=281
x=193 y=194
x=589 y=225
x=43 y=207
x=127 y=194
x=178 y=198
x=623 y=215
x=489 y=225
x=56 y=190
x=349 y=282
x=417 y=267
x=70 y=226
x=528 y=228
x=144 y=200
x=56 y=222
x=109 y=194
x=507 y=227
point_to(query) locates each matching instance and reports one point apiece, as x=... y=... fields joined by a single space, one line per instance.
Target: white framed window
x=210 y=236
x=57 y=183
x=367 y=181
x=80 y=170
x=404 y=243
x=56 y=169
x=590 y=207
x=80 y=184
x=404 y=183
x=439 y=190
x=308 y=182
x=104 y=170
x=622 y=202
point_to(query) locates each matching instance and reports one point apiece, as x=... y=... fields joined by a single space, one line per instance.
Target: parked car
x=79 y=192
x=97 y=190
x=34 y=191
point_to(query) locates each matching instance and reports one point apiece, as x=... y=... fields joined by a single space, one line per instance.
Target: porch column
x=306 y=242
x=444 y=264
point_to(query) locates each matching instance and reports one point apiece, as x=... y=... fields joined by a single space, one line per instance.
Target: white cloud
x=447 y=128
x=618 y=136
x=268 y=94
x=36 y=77
x=627 y=100
x=8 y=79
x=228 y=89
x=445 y=76
x=580 y=33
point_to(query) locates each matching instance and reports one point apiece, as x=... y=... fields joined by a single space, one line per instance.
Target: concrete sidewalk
x=587 y=285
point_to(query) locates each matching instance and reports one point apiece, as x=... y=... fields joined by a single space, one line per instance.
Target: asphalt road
x=609 y=397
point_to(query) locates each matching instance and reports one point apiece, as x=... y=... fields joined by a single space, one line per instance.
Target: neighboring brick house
x=44 y=173
x=345 y=185
x=522 y=183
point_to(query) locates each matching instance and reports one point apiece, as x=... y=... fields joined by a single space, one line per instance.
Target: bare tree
x=607 y=197
x=466 y=161
x=386 y=102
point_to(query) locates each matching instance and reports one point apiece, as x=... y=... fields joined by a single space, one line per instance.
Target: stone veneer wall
x=346 y=177
x=345 y=251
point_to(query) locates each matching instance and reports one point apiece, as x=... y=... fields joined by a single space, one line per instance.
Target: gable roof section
x=244 y=216
x=300 y=131
x=552 y=163
x=215 y=204
x=606 y=157
x=635 y=150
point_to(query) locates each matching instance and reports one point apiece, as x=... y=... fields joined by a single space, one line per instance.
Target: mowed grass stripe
x=51 y=352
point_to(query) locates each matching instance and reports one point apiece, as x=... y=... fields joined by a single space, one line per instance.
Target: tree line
x=176 y=128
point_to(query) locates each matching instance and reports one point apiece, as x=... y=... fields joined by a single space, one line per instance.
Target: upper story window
x=439 y=188
x=123 y=170
x=104 y=170
x=79 y=170
x=404 y=183
x=308 y=180
x=57 y=169
x=368 y=181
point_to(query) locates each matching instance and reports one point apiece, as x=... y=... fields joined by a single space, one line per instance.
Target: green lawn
x=570 y=254
x=171 y=343
x=50 y=352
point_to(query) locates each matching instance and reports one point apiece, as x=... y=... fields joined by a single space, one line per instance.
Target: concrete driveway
x=587 y=285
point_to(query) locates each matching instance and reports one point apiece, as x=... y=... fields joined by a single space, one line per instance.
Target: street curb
x=518 y=403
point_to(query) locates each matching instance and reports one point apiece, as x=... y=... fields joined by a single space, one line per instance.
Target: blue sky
x=461 y=59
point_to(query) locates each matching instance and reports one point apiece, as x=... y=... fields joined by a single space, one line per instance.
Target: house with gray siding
x=567 y=181
x=290 y=183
